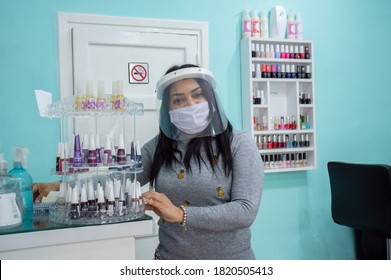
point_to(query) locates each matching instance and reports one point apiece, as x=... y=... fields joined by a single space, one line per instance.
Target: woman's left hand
x=162 y=206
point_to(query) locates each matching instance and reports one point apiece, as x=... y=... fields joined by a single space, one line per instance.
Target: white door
x=103 y=54
x=98 y=48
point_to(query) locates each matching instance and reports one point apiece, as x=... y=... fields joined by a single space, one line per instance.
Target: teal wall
x=352 y=64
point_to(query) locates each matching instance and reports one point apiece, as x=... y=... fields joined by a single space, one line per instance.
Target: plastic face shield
x=202 y=82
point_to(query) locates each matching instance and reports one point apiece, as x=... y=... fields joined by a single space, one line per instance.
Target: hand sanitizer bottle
x=11 y=203
x=25 y=181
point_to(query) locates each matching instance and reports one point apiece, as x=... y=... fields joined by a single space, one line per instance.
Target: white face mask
x=191 y=119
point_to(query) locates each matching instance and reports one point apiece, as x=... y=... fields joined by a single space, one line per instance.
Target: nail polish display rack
x=66 y=110
x=280 y=105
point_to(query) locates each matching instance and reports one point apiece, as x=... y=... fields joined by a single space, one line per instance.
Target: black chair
x=361 y=199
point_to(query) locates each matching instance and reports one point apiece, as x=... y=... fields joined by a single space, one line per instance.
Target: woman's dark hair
x=167 y=153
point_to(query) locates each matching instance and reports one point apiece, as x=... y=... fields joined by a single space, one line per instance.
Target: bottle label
x=247 y=26
x=9 y=211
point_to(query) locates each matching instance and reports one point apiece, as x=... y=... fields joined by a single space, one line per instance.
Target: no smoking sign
x=138 y=73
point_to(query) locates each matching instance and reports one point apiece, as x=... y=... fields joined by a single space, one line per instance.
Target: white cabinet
x=278 y=101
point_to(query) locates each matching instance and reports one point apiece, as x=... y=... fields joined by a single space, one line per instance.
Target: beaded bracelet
x=183 y=224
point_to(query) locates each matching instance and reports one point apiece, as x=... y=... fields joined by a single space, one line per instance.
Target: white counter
x=110 y=241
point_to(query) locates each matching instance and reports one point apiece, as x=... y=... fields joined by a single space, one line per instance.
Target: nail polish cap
x=92 y=143
x=253 y=46
x=117 y=188
x=90 y=190
x=89 y=87
x=69 y=194
x=282 y=48
x=75 y=196
x=121 y=194
x=86 y=144
x=283 y=68
x=277 y=48
x=83 y=193
x=301 y=49
x=63 y=189
x=111 y=193
x=77 y=143
x=258 y=93
x=101 y=198
x=262 y=47
x=296 y=49
x=267 y=47
x=97 y=143
x=308 y=69
x=107 y=144
x=101 y=88
x=127 y=186
x=59 y=147
x=272 y=48
x=257 y=48
x=121 y=144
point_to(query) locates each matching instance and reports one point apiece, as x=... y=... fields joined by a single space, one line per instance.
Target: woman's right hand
x=41 y=190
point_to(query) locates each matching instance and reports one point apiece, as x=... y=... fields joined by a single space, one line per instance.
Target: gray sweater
x=220 y=209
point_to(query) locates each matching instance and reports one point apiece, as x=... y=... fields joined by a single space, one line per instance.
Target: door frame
x=67 y=21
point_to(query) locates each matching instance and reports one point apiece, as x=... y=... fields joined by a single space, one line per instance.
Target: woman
x=208 y=178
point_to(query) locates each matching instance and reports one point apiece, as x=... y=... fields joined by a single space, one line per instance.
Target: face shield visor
x=190 y=106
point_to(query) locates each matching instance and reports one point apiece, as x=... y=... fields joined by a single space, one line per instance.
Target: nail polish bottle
x=264 y=71
x=272 y=53
x=301 y=98
x=279 y=161
x=287 y=55
x=301 y=142
x=269 y=142
x=303 y=124
x=288 y=143
x=267 y=51
x=304 y=159
x=279 y=141
x=97 y=142
x=271 y=123
x=92 y=206
x=288 y=124
x=273 y=69
x=257 y=51
x=297 y=55
x=307 y=52
x=303 y=72
x=298 y=72
x=92 y=152
x=301 y=52
x=253 y=70
x=266 y=162
x=293 y=71
x=282 y=123
x=299 y=160
x=74 y=212
x=282 y=54
x=262 y=100
x=275 y=142
x=258 y=97
x=291 y=52
x=259 y=142
x=258 y=71
x=284 y=164
x=288 y=161
x=308 y=124
x=308 y=99
x=307 y=141
x=288 y=72
x=262 y=51
x=293 y=162
x=294 y=142
x=278 y=70
x=294 y=124
x=83 y=202
x=277 y=54
x=283 y=142
x=264 y=142
x=253 y=54
x=308 y=72
x=271 y=162
x=121 y=155
x=283 y=72
x=264 y=123
x=276 y=123
x=268 y=71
